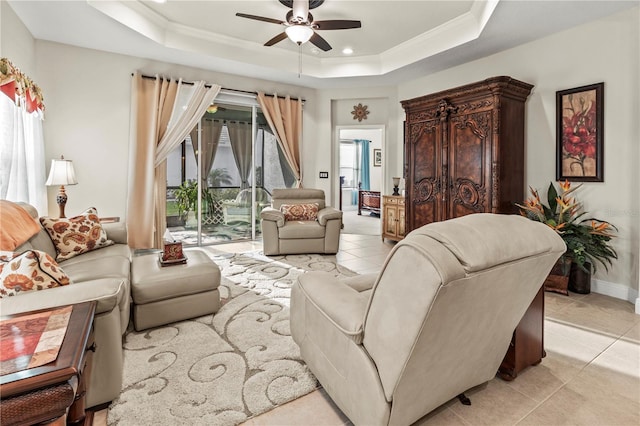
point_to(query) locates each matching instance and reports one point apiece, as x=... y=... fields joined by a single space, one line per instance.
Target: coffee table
x=53 y=393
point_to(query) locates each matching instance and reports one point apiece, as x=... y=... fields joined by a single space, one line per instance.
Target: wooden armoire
x=464 y=151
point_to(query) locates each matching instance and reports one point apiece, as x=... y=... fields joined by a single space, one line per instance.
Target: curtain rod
x=224 y=88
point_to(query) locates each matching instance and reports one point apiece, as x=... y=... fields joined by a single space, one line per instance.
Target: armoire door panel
x=424 y=186
x=424 y=151
x=469 y=164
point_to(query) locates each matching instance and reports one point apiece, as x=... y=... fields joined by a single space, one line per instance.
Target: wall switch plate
x=324 y=175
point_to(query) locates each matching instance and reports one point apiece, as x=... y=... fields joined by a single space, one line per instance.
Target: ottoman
x=166 y=294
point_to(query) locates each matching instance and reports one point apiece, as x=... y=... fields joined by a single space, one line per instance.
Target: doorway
x=360 y=173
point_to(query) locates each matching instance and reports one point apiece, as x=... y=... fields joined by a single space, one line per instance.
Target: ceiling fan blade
x=336 y=24
x=320 y=42
x=276 y=39
x=260 y=18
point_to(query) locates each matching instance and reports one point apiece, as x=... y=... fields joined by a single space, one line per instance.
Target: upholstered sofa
x=101 y=275
x=437 y=320
x=282 y=236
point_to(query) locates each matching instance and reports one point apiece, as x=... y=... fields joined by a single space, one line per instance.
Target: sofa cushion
x=301 y=229
x=117 y=250
x=76 y=235
x=306 y=211
x=92 y=269
x=31 y=270
x=17 y=225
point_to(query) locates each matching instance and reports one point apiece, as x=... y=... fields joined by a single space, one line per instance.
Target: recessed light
x=347 y=51
x=159 y=1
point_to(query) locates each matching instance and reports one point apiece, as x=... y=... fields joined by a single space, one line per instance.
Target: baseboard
x=619 y=291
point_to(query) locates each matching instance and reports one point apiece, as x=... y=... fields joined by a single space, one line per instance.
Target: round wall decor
x=359 y=112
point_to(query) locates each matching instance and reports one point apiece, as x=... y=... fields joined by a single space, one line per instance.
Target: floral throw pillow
x=307 y=211
x=30 y=270
x=76 y=235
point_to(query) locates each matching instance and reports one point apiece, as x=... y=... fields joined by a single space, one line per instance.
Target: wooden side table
x=527 y=343
x=53 y=393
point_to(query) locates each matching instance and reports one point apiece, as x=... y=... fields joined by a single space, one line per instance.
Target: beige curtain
x=211 y=131
x=162 y=113
x=240 y=139
x=284 y=116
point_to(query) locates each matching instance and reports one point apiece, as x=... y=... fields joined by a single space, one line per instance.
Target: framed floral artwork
x=579 y=133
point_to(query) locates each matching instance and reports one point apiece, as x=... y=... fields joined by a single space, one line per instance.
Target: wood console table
x=53 y=393
x=393 y=217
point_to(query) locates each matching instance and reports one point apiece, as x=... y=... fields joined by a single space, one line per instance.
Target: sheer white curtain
x=22 y=163
x=154 y=134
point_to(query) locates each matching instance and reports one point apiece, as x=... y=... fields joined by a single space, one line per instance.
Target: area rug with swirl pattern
x=225 y=368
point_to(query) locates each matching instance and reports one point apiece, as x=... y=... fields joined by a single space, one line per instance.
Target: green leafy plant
x=186 y=196
x=587 y=239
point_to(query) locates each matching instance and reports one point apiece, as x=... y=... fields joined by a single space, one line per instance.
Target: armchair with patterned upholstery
x=298 y=221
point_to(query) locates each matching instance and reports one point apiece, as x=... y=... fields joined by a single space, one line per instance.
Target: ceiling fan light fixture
x=299 y=34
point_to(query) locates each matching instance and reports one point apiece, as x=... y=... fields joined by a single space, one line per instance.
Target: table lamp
x=396 y=185
x=62 y=174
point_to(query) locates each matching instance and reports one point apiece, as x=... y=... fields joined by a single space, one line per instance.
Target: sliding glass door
x=240 y=165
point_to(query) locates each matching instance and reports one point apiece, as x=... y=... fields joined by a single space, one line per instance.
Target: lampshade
x=61 y=173
x=396 y=181
x=299 y=33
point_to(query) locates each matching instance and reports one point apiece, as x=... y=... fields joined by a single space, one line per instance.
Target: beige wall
x=605 y=50
x=87 y=118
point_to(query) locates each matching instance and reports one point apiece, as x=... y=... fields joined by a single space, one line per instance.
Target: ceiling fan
x=300 y=26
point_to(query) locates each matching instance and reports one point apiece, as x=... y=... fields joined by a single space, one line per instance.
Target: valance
x=19 y=87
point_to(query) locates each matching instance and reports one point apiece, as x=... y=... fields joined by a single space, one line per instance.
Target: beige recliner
x=280 y=236
x=389 y=348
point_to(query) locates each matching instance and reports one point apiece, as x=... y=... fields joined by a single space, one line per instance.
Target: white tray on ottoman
x=166 y=294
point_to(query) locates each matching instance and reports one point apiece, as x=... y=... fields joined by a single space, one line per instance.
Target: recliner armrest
x=328 y=213
x=341 y=304
x=274 y=215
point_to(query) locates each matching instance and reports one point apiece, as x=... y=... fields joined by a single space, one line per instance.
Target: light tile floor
x=590 y=376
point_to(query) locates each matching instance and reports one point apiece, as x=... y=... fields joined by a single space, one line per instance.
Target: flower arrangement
x=587 y=240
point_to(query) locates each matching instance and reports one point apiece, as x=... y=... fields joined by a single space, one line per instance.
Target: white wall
x=88 y=99
x=604 y=50
x=16 y=42
x=333 y=108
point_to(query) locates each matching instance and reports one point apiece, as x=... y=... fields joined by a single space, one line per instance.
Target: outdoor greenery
x=186 y=195
x=587 y=239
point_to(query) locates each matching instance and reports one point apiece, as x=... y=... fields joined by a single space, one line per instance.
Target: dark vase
x=579 y=280
x=558 y=279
